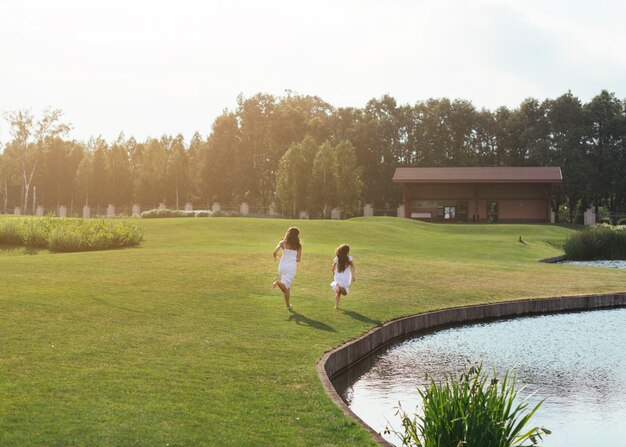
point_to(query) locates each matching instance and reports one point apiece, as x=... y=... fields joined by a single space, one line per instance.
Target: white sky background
x=154 y=67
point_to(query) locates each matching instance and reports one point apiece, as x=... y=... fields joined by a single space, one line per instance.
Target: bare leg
x=337 y=296
x=287 y=294
x=285 y=291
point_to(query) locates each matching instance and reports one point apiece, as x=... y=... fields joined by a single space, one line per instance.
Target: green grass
x=181 y=341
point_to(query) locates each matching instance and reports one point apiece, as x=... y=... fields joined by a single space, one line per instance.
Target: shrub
x=174 y=213
x=471 y=411
x=622 y=221
x=67 y=235
x=598 y=242
x=10 y=233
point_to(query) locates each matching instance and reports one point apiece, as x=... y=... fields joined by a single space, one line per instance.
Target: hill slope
x=183 y=342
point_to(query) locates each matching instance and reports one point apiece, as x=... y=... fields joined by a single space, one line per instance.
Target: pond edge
x=352 y=352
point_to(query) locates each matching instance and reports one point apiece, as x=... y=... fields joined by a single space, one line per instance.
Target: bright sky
x=154 y=67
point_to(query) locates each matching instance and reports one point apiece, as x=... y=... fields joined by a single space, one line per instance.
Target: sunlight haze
x=148 y=68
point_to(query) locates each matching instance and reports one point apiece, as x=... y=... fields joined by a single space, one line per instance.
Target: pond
x=576 y=361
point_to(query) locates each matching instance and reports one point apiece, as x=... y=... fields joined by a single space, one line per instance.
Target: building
x=520 y=194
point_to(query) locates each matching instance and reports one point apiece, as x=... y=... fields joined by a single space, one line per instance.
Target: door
x=492 y=212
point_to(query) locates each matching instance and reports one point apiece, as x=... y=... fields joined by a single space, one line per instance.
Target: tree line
x=303 y=154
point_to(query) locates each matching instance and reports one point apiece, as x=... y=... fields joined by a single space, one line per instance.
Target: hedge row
x=599 y=242
x=69 y=235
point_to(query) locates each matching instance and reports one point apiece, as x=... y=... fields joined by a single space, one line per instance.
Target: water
x=576 y=361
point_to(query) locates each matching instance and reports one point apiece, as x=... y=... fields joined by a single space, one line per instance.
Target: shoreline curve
x=343 y=357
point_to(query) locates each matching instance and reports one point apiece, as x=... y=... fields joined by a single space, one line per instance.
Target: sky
x=149 y=68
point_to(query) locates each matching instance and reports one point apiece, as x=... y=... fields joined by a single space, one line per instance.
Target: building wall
x=516 y=202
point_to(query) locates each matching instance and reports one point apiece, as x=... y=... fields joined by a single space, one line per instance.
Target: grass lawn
x=183 y=342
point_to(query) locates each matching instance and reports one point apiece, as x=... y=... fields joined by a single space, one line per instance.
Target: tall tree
x=31 y=137
x=348 y=177
x=83 y=183
x=293 y=177
x=178 y=169
x=323 y=185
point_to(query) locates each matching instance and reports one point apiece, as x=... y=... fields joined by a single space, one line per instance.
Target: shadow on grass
x=19 y=250
x=302 y=320
x=359 y=317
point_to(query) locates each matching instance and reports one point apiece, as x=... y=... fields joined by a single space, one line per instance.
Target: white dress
x=287 y=266
x=342 y=279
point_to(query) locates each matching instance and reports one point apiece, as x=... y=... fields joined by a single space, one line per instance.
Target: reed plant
x=69 y=235
x=474 y=410
x=599 y=242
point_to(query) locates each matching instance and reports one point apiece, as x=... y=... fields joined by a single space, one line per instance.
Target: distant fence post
x=552 y=217
x=86 y=212
x=216 y=207
x=188 y=207
x=17 y=211
x=304 y=215
x=400 y=211
x=335 y=214
x=39 y=212
x=62 y=211
x=589 y=217
x=273 y=211
x=161 y=206
x=368 y=210
x=136 y=210
x=244 y=209
x=111 y=210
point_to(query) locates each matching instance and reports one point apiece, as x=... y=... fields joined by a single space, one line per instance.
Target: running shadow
x=301 y=320
x=357 y=316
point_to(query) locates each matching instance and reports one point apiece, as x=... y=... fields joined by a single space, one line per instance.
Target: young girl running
x=292 y=251
x=344 y=271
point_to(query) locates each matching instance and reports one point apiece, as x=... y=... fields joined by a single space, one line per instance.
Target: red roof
x=478 y=175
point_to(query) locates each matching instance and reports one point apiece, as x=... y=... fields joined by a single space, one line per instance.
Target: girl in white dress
x=344 y=272
x=292 y=251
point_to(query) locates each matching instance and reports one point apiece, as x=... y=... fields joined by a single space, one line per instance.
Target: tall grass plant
x=69 y=235
x=474 y=410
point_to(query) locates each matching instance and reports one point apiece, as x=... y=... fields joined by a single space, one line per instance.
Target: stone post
x=188 y=206
x=244 y=209
x=273 y=211
x=400 y=211
x=368 y=210
x=216 y=207
x=62 y=211
x=17 y=211
x=136 y=210
x=335 y=214
x=161 y=206
x=111 y=210
x=86 y=212
x=304 y=215
x=39 y=211
x=589 y=217
x=552 y=217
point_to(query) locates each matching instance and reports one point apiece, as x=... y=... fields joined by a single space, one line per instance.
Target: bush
x=68 y=235
x=600 y=242
x=10 y=233
x=174 y=213
x=622 y=221
x=471 y=411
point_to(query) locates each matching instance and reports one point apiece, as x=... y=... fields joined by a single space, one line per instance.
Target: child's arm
x=299 y=255
x=353 y=270
x=278 y=247
x=333 y=268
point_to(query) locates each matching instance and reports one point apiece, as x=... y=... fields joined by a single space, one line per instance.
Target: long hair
x=343 y=261
x=292 y=238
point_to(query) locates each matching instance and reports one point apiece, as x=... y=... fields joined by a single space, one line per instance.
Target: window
x=449 y=212
x=492 y=211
